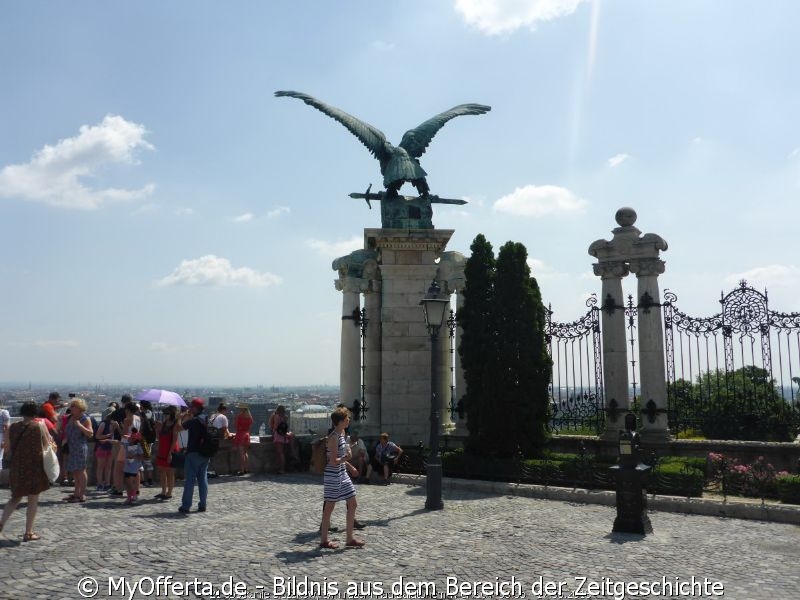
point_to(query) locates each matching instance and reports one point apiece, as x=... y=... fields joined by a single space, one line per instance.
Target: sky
x=165 y=219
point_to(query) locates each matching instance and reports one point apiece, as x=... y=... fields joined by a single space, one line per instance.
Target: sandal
x=354 y=543
x=329 y=545
x=73 y=499
x=30 y=537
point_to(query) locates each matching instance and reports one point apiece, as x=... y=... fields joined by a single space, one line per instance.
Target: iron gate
x=732 y=375
x=576 y=383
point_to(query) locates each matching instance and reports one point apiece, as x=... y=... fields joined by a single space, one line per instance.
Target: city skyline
x=166 y=220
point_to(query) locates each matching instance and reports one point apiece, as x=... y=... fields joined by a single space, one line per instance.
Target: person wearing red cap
x=195 y=467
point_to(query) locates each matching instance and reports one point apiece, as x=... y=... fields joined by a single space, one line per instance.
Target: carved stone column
x=350 y=345
x=351 y=284
x=651 y=347
x=452 y=279
x=615 y=348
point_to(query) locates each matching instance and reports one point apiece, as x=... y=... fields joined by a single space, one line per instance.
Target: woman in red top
x=167 y=432
x=244 y=420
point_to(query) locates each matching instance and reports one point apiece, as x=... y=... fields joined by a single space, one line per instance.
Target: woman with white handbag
x=26 y=444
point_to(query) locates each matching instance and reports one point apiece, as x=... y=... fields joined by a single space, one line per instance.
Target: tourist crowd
x=51 y=444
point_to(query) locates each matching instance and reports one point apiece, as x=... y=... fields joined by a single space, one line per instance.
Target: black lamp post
x=434 y=307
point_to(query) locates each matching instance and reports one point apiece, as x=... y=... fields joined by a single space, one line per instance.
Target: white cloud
x=794 y=154
x=504 y=16
x=56 y=343
x=147 y=208
x=48 y=344
x=216 y=271
x=769 y=276
x=167 y=348
x=278 y=211
x=183 y=211
x=337 y=249
x=539 y=201
x=382 y=46
x=697 y=140
x=618 y=159
x=243 y=218
x=544 y=272
x=55 y=174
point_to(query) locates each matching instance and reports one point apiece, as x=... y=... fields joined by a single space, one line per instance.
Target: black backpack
x=209 y=445
x=148 y=429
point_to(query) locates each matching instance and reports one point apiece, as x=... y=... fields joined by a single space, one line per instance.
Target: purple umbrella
x=161 y=397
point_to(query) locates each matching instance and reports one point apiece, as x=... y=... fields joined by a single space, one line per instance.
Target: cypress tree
x=503 y=353
x=522 y=366
x=475 y=319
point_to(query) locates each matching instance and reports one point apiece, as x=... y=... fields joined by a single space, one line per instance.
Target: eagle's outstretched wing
x=370 y=136
x=416 y=140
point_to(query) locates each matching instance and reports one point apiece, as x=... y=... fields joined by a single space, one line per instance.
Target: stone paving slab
x=261 y=528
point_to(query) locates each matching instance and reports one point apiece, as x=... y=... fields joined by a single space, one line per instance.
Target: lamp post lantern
x=433 y=308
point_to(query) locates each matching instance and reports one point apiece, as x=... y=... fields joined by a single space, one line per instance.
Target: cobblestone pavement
x=265 y=527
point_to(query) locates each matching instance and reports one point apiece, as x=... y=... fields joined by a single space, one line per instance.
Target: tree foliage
x=503 y=352
x=745 y=404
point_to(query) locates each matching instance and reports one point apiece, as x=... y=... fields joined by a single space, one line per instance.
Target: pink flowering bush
x=756 y=480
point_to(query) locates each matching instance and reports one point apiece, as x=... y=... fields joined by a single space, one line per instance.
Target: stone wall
x=262 y=459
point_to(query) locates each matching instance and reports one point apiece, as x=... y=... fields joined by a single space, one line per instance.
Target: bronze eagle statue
x=399 y=164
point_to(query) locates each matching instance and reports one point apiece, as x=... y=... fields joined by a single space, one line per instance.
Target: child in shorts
x=134 y=453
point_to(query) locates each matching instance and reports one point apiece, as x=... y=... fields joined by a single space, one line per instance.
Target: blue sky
x=165 y=219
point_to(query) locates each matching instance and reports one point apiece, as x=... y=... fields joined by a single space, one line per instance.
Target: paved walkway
x=265 y=527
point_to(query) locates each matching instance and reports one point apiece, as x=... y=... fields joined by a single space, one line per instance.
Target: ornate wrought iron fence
x=731 y=375
x=576 y=384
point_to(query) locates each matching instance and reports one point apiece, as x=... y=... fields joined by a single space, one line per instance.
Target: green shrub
x=788 y=488
x=676 y=478
x=690 y=461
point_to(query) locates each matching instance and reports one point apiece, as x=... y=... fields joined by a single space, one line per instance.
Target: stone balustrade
x=261 y=459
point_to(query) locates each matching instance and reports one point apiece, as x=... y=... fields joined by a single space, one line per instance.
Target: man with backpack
x=199 y=450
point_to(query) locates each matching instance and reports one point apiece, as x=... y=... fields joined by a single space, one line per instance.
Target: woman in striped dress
x=338 y=485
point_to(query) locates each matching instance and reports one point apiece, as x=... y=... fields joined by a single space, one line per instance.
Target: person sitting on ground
x=25 y=445
x=360 y=458
x=386 y=456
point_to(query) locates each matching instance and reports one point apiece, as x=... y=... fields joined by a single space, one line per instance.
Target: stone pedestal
x=407 y=265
